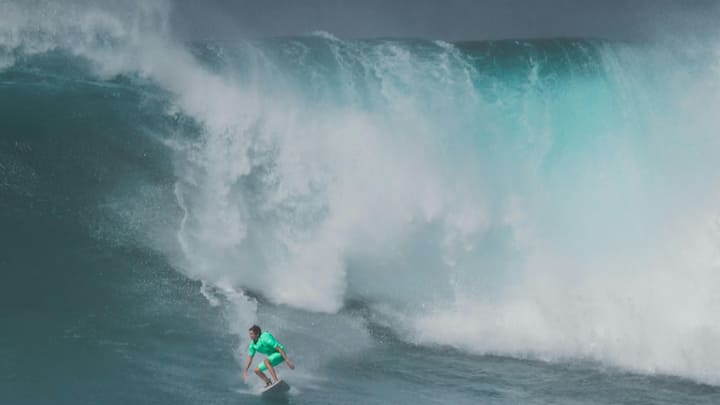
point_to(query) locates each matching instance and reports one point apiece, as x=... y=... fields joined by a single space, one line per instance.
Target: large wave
x=550 y=198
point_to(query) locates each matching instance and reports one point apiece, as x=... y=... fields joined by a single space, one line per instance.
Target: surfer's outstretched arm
x=247 y=366
x=287 y=359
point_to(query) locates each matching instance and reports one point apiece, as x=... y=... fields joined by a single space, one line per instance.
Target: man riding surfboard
x=265 y=343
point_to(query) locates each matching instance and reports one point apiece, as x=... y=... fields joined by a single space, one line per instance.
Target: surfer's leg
x=263 y=376
x=269 y=365
x=271 y=369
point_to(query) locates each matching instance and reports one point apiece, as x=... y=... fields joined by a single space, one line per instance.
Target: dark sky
x=446 y=19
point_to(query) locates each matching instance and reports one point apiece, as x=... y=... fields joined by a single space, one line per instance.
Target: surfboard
x=279 y=387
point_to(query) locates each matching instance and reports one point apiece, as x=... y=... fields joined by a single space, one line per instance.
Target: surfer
x=265 y=343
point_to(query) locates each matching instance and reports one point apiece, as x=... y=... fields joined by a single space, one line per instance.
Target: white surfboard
x=279 y=387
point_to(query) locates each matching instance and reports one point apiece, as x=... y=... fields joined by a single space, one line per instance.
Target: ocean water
x=500 y=222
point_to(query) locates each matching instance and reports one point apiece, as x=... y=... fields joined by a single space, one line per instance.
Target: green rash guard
x=266 y=344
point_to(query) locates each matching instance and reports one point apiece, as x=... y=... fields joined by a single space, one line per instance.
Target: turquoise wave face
x=575 y=136
x=550 y=197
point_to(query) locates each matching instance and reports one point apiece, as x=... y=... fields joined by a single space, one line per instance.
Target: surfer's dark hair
x=255 y=329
